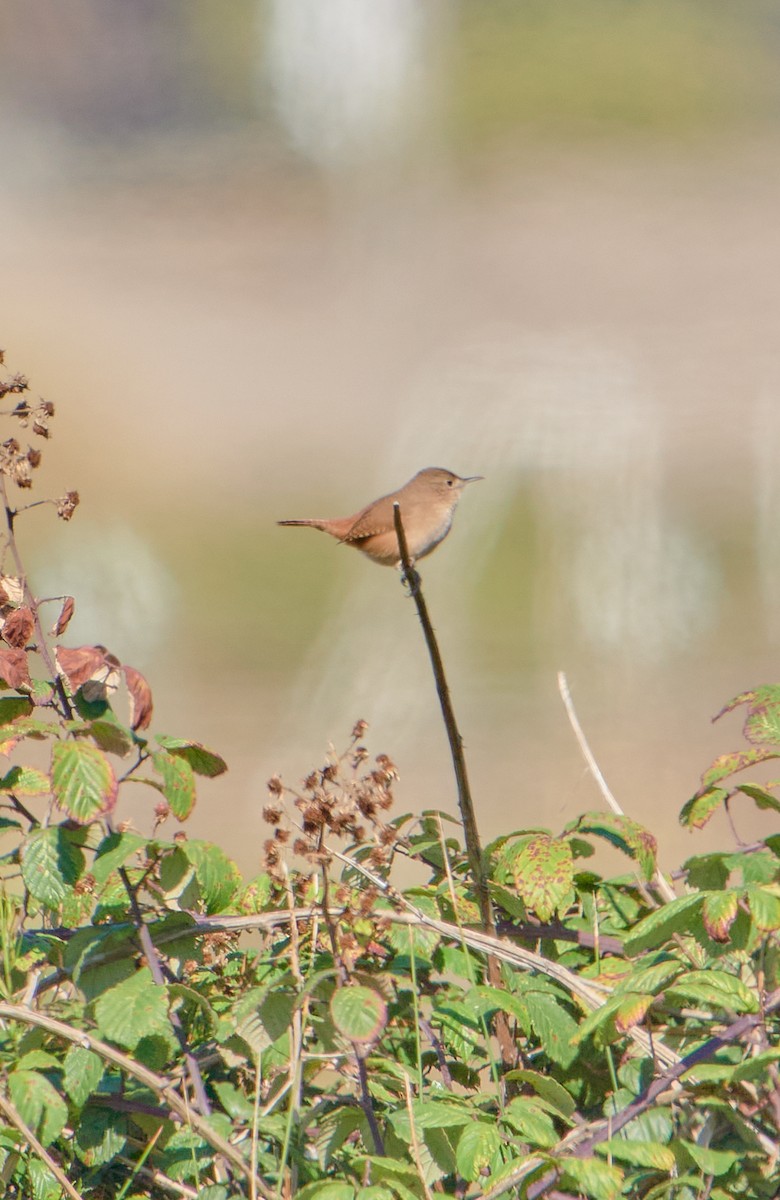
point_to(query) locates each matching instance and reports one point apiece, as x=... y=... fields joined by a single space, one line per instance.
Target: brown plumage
x=427 y=503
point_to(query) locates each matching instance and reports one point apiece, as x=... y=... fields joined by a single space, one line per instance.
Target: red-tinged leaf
x=697 y=811
x=83 y=780
x=729 y=764
x=18 y=627
x=140 y=698
x=631 y=1011
x=764 y=904
x=63 y=620
x=719 y=912
x=13 y=667
x=543 y=873
x=742 y=698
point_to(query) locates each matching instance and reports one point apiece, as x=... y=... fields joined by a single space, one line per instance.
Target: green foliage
x=617 y=1040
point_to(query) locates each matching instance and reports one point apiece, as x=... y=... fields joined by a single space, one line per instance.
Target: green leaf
x=543 y=871
x=696 y=812
x=326 y=1190
x=26 y=781
x=83 y=1071
x=202 y=761
x=359 y=1013
x=597 y=1180
x=111 y=736
x=763 y=799
x=718 y=913
x=624 y=833
x=526 y=1117
x=52 y=862
x=639 y=1154
x=478 y=1150
x=713 y=989
x=711 y=1162
x=553 y=1025
x=757 y=1066
x=13 y=707
x=178 y=782
x=659 y=926
x=133 y=1009
x=548 y=1088
x=39 y=1104
x=764 y=905
x=113 y=852
x=100 y=1135
x=218 y=876
x=83 y=780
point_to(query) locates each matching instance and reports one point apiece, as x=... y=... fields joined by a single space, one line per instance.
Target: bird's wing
x=376 y=518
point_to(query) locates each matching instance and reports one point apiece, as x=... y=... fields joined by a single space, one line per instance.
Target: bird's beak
x=473 y=478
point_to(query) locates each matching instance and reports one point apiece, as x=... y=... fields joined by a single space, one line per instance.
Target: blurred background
x=271 y=258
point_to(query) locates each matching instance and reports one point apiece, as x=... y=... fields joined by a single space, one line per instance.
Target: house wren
x=427 y=505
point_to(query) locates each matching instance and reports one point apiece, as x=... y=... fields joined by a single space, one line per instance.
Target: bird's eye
x=449 y=483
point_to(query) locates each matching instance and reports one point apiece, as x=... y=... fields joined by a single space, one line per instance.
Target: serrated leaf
x=546 y=1087
x=178 y=782
x=696 y=812
x=218 y=876
x=100 y=1135
x=132 y=1010
x=713 y=989
x=764 y=905
x=359 y=1013
x=113 y=852
x=39 y=1104
x=729 y=764
x=52 y=862
x=478 y=1150
x=202 y=760
x=659 y=926
x=543 y=871
x=525 y=1116
x=82 y=1073
x=26 y=781
x=757 y=1066
x=553 y=1025
x=710 y=1161
x=718 y=913
x=763 y=799
x=624 y=833
x=111 y=737
x=639 y=1153
x=596 y=1179
x=83 y=780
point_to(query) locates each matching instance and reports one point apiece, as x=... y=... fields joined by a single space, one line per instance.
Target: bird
x=427 y=504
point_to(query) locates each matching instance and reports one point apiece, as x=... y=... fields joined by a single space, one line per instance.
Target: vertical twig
x=465 y=802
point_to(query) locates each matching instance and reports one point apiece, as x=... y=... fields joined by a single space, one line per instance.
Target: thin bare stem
x=664 y=887
x=465 y=802
x=156 y=1083
x=8 y=1109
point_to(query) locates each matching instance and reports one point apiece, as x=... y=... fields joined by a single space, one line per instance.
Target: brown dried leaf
x=141 y=705
x=66 y=505
x=13 y=667
x=18 y=627
x=11 y=590
x=81 y=664
x=63 y=620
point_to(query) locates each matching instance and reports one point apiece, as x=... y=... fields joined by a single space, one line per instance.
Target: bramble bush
x=516 y=1025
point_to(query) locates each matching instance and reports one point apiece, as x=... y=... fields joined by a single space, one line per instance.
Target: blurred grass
x=671 y=67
